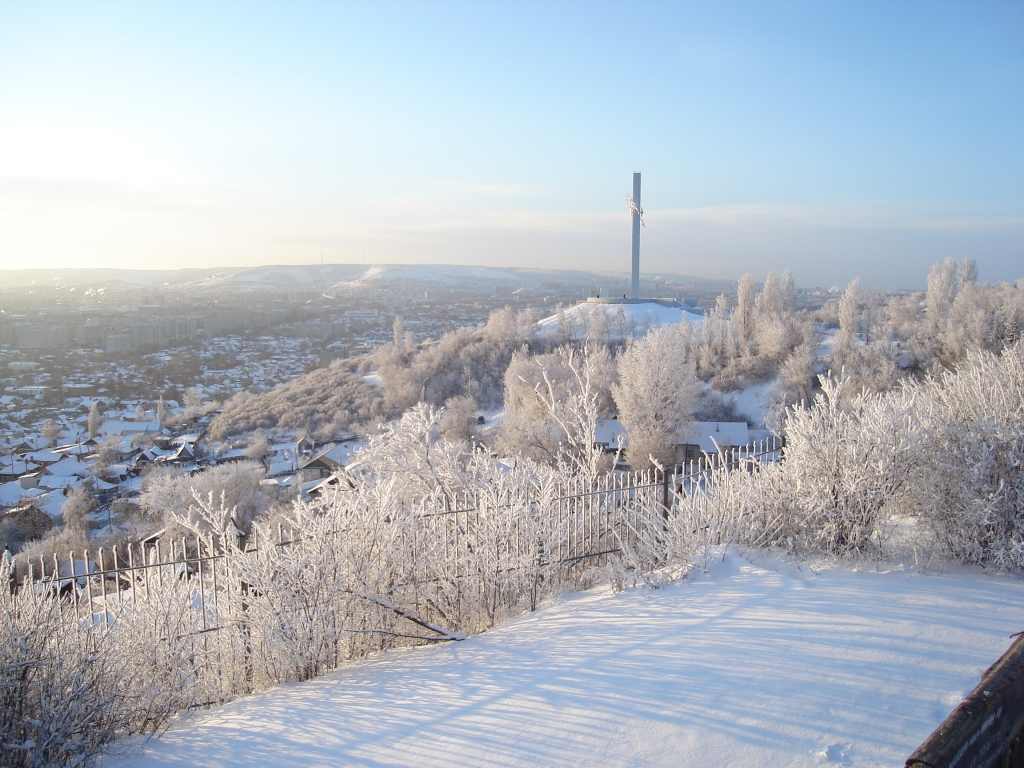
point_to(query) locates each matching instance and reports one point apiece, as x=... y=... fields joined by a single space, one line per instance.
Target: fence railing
x=490 y=550
x=987 y=729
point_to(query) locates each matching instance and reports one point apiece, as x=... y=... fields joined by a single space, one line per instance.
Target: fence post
x=664 y=494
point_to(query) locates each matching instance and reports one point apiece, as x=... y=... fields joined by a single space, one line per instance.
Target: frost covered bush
x=424 y=540
x=947 y=452
x=846 y=469
x=236 y=486
x=972 y=492
x=465 y=361
x=73 y=682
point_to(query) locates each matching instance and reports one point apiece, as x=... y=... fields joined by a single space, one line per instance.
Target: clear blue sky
x=833 y=139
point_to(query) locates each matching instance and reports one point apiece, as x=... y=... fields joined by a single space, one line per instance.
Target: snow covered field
x=753 y=664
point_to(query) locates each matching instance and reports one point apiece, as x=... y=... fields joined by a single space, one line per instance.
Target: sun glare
x=54 y=150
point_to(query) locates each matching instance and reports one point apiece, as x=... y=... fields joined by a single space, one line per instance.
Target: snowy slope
x=619 y=320
x=755 y=664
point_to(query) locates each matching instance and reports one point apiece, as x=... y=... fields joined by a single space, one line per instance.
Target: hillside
x=320 y=276
x=757 y=663
x=328 y=400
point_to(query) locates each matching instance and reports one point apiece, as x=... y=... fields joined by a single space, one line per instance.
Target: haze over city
x=836 y=140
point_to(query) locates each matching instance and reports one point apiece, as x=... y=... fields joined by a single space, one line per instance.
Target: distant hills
x=319 y=277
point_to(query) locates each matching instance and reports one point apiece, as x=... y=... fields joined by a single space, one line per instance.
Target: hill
x=351 y=277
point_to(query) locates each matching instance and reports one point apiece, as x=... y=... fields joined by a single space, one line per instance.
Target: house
x=330 y=461
x=30 y=479
x=129 y=428
x=316 y=488
x=703 y=438
x=152 y=455
x=319 y=467
x=305 y=446
x=13 y=467
x=712 y=436
x=66 y=467
x=43 y=458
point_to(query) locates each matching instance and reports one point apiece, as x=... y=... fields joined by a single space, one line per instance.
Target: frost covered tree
x=235 y=486
x=943 y=285
x=547 y=397
x=458 y=420
x=77 y=506
x=746 y=297
x=258 y=447
x=95 y=421
x=552 y=402
x=655 y=396
x=797 y=379
x=849 y=313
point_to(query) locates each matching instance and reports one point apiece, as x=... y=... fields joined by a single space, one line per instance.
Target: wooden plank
x=986 y=729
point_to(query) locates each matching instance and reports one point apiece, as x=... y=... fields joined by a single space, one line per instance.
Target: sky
x=834 y=139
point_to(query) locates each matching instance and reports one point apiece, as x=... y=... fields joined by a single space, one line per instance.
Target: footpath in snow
x=752 y=664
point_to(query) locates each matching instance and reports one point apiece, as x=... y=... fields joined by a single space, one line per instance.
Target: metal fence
x=570 y=526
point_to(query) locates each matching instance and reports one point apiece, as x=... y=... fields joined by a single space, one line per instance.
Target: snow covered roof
x=37 y=442
x=727 y=434
x=53 y=482
x=608 y=431
x=11 y=493
x=343 y=452
x=123 y=427
x=44 y=457
x=18 y=465
x=69 y=466
x=51 y=503
x=281 y=468
x=78 y=449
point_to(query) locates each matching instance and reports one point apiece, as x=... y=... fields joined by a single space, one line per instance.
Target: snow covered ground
x=752 y=664
x=619 y=320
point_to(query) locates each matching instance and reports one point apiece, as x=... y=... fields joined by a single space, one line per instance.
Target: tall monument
x=625 y=316
x=634 y=206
